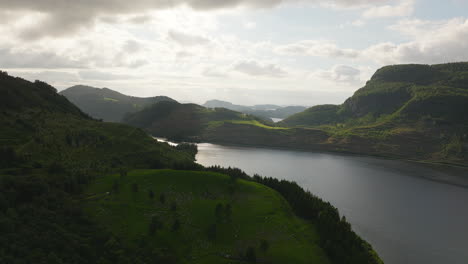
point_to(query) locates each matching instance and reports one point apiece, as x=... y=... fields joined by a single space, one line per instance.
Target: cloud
x=10 y=58
x=316 y=48
x=433 y=42
x=214 y=73
x=404 y=8
x=61 y=18
x=254 y=68
x=186 y=39
x=103 y=76
x=132 y=46
x=47 y=76
x=340 y=74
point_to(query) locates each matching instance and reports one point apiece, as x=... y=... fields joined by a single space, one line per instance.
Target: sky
x=286 y=52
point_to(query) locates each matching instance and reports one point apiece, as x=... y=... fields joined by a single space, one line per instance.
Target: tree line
x=340 y=242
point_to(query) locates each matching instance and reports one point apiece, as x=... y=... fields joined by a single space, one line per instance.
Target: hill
x=266 y=112
x=204 y=217
x=412 y=111
x=415 y=112
x=185 y=121
x=49 y=152
x=106 y=104
x=403 y=93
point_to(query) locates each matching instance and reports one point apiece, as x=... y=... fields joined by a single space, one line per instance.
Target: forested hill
x=185 y=121
x=106 y=104
x=431 y=94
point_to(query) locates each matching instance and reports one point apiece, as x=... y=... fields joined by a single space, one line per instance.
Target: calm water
x=407 y=218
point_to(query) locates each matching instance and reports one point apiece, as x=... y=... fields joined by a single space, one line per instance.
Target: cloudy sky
x=289 y=52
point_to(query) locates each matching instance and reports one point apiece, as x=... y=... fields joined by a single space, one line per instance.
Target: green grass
x=258 y=213
x=255 y=123
x=110 y=99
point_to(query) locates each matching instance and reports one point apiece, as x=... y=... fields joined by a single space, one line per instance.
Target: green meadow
x=202 y=217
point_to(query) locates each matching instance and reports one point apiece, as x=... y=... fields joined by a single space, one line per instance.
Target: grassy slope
x=257 y=213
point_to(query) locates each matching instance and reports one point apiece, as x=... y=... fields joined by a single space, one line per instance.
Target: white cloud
x=340 y=74
x=404 y=8
x=187 y=39
x=254 y=68
x=103 y=76
x=434 y=42
x=320 y=48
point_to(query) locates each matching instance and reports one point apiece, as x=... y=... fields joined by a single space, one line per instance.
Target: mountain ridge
x=107 y=104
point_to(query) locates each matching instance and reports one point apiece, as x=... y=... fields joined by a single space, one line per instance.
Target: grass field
x=257 y=214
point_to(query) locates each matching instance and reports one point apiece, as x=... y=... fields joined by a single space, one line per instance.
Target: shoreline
x=456 y=179
x=455 y=170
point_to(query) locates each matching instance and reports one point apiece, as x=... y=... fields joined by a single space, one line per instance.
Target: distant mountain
x=183 y=121
x=266 y=112
x=106 y=104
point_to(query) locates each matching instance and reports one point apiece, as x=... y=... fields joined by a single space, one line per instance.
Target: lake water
x=391 y=204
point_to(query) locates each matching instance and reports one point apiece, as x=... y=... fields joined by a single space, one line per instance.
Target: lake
x=394 y=205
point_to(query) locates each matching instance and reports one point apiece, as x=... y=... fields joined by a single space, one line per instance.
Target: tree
x=250 y=255
x=155 y=225
x=162 y=198
x=174 y=206
x=264 y=245
x=135 y=187
x=176 y=225
x=123 y=173
x=219 y=212
x=211 y=232
x=115 y=187
x=228 y=212
x=151 y=194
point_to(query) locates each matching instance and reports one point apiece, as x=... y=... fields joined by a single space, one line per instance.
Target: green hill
x=403 y=93
x=106 y=104
x=204 y=217
x=412 y=111
x=185 y=121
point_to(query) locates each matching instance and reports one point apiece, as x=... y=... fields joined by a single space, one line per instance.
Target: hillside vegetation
x=419 y=111
x=106 y=104
x=265 y=112
x=203 y=217
x=77 y=190
x=186 y=121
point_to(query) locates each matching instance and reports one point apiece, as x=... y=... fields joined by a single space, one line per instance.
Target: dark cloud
x=30 y=59
x=67 y=16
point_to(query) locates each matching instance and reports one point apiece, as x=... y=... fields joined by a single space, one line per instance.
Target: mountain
x=408 y=94
x=106 y=104
x=183 y=121
x=264 y=111
x=415 y=112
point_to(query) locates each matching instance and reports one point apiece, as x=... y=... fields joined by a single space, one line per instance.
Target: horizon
x=283 y=52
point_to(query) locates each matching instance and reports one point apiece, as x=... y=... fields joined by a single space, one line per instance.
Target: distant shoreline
x=456 y=171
